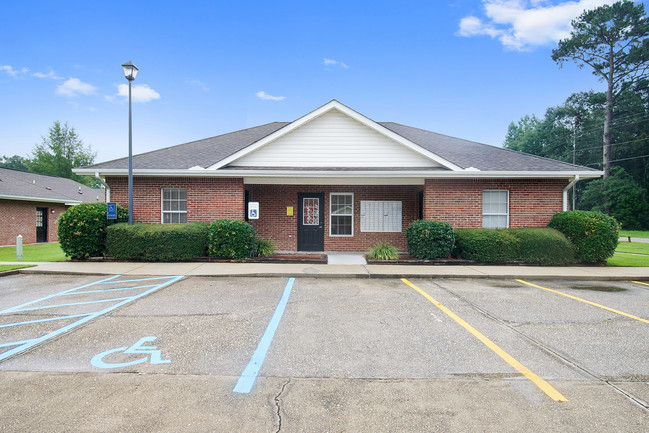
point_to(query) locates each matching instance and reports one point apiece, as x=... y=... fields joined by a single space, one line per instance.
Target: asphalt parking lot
x=140 y=354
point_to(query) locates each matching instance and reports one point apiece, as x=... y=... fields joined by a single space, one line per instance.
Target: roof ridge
x=518 y=152
x=190 y=142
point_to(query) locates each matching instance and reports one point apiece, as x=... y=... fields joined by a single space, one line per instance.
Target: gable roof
x=452 y=156
x=21 y=185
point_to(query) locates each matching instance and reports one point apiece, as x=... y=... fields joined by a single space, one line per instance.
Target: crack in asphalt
x=545 y=348
x=279 y=408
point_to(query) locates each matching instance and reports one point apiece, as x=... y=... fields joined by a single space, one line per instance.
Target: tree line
x=56 y=155
x=606 y=130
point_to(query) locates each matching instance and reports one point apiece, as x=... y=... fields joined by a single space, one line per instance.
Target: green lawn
x=632 y=247
x=620 y=259
x=4 y=268
x=634 y=233
x=50 y=252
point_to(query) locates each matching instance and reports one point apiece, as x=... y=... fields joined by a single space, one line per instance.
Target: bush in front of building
x=544 y=246
x=383 y=251
x=428 y=240
x=487 y=245
x=264 y=247
x=157 y=242
x=230 y=239
x=594 y=234
x=82 y=229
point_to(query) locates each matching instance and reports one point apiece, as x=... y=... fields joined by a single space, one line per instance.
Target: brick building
x=30 y=204
x=335 y=180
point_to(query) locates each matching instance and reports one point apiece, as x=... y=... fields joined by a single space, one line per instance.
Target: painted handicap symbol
x=152 y=354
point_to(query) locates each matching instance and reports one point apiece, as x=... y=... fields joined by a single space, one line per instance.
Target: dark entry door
x=41 y=224
x=310 y=227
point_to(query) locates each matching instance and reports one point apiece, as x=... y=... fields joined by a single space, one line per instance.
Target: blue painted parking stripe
x=26 y=344
x=52 y=319
x=71 y=304
x=65 y=292
x=14 y=343
x=132 y=281
x=249 y=375
x=85 y=292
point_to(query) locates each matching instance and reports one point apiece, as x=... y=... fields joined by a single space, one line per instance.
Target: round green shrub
x=82 y=229
x=428 y=240
x=594 y=234
x=230 y=239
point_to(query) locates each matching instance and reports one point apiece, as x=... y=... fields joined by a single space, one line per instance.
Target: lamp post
x=130 y=71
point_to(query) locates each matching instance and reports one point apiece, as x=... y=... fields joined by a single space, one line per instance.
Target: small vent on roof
x=80 y=192
x=34 y=181
x=49 y=188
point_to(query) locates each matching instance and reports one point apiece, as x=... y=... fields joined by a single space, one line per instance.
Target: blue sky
x=465 y=68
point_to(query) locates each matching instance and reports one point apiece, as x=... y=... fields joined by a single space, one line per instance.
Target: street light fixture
x=130 y=71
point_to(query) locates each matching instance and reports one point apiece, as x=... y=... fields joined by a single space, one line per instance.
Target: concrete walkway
x=332 y=270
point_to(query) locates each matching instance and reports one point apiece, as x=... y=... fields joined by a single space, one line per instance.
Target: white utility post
x=19 y=247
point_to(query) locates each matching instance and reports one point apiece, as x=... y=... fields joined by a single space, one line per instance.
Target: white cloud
x=52 y=75
x=140 y=92
x=13 y=72
x=75 y=87
x=200 y=85
x=266 y=97
x=522 y=24
x=332 y=62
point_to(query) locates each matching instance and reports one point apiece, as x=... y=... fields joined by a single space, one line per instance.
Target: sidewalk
x=334 y=271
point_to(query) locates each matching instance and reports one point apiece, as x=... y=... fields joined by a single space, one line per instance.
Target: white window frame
x=163 y=211
x=331 y=194
x=484 y=214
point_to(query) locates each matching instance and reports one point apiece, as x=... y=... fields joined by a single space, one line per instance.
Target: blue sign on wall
x=111 y=211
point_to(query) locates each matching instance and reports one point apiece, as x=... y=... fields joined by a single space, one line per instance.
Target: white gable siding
x=334 y=140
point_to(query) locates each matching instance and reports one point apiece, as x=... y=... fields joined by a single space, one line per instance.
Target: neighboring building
x=335 y=180
x=30 y=204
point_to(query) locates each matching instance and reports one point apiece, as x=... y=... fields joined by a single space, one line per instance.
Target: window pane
x=341 y=225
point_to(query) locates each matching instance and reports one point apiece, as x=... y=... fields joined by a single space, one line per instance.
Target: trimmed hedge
x=82 y=229
x=544 y=246
x=230 y=239
x=157 y=242
x=428 y=240
x=594 y=234
x=527 y=245
x=487 y=245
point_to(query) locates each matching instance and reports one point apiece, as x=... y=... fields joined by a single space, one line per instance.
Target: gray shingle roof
x=14 y=183
x=463 y=153
x=203 y=153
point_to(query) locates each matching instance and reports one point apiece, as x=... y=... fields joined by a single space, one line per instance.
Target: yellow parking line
x=640 y=282
x=542 y=384
x=586 y=302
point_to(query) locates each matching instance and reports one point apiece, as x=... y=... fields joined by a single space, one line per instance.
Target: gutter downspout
x=565 y=192
x=108 y=188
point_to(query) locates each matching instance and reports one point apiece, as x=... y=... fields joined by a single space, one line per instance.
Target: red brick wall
x=532 y=202
x=275 y=224
x=208 y=199
x=19 y=218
